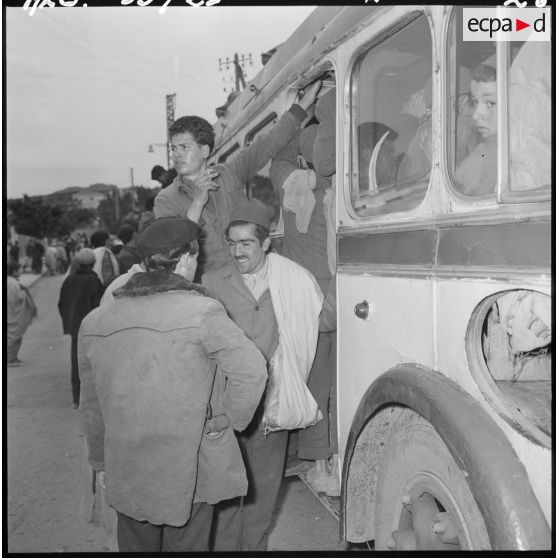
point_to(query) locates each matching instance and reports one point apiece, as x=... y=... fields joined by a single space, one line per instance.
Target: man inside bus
x=529 y=101
x=257 y=292
x=417 y=159
x=207 y=194
x=307 y=196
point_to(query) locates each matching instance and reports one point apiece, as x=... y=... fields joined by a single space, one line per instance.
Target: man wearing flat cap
x=206 y=194
x=157 y=419
x=264 y=294
x=80 y=293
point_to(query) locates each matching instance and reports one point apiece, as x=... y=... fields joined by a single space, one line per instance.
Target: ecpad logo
x=506 y=24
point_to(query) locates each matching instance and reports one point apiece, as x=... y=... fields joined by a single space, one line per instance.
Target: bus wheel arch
x=511 y=512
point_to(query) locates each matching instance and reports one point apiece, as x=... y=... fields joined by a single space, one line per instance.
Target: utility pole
x=170 y=106
x=116 y=203
x=132 y=184
x=238 y=64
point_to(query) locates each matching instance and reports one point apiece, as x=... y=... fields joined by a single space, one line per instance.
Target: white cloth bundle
x=299 y=198
x=297 y=302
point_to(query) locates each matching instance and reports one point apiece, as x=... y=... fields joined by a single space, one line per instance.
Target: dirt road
x=44 y=440
x=44 y=452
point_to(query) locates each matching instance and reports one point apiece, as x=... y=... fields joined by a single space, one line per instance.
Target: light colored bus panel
x=457 y=300
x=367 y=348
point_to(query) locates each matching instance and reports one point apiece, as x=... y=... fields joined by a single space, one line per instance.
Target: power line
x=111 y=60
x=125 y=59
x=75 y=78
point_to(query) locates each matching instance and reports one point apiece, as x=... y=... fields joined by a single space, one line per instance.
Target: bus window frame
x=224 y=156
x=399 y=22
x=254 y=132
x=503 y=193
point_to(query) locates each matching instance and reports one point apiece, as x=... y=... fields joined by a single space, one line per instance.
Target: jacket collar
x=153 y=282
x=231 y=274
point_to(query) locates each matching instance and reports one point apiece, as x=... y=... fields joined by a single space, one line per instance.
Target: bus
x=443 y=270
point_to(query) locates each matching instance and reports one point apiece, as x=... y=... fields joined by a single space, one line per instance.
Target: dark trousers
x=244 y=523
x=74 y=374
x=142 y=536
x=320 y=440
x=37 y=264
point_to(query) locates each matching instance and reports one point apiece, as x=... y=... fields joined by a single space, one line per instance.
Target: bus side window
x=476 y=106
x=392 y=131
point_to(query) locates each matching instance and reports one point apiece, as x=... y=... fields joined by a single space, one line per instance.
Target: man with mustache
x=273 y=300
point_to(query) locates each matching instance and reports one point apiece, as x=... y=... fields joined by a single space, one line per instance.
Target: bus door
x=385 y=297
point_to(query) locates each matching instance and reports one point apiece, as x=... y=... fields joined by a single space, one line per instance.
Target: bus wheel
x=422 y=499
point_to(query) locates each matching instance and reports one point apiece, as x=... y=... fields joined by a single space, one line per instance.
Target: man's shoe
x=14 y=363
x=318 y=481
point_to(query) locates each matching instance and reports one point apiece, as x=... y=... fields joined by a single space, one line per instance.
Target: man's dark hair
x=126 y=233
x=167 y=262
x=483 y=73
x=99 y=238
x=201 y=130
x=156 y=171
x=261 y=233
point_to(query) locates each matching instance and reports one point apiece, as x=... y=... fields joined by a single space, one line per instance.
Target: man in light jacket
x=147 y=363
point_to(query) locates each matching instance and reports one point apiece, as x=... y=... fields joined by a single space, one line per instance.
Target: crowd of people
x=46 y=256
x=181 y=326
x=182 y=331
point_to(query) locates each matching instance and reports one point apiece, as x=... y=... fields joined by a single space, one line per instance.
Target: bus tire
x=423 y=500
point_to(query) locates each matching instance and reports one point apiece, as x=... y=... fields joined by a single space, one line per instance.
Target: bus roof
x=319 y=33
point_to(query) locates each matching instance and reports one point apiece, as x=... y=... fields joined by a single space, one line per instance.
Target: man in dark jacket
x=81 y=291
x=14 y=252
x=128 y=255
x=37 y=256
x=158 y=420
x=308 y=241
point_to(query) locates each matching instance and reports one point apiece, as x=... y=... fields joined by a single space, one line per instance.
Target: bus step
x=331 y=503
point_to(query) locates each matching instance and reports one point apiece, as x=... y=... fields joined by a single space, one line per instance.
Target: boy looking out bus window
x=477 y=174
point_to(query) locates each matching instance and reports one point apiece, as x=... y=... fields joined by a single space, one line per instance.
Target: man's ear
x=266 y=244
x=206 y=151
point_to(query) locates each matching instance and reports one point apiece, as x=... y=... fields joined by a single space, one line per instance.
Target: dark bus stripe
x=509 y=244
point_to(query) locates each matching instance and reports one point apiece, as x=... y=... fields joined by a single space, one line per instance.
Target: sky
x=85 y=87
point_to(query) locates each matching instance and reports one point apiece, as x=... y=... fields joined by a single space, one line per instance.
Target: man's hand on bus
x=309 y=95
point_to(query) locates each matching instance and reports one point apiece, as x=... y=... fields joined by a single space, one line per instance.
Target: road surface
x=44 y=452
